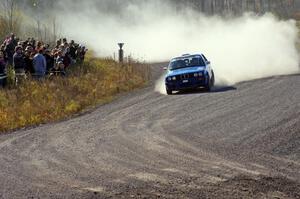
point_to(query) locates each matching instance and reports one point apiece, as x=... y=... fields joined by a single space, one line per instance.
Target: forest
x=42 y=21
x=282 y=8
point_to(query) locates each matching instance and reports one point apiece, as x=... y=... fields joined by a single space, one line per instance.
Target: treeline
x=28 y=18
x=282 y=8
x=46 y=15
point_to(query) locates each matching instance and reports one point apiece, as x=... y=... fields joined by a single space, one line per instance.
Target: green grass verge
x=96 y=82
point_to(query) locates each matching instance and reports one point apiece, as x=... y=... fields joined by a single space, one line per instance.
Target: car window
x=177 y=64
x=204 y=58
x=186 y=62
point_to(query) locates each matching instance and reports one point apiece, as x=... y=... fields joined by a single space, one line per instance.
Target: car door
x=208 y=65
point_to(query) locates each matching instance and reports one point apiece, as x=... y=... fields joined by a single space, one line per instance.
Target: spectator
x=29 y=48
x=63 y=49
x=33 y=60
x=39 y=46
x=7 y=39
x=73 y=51
x=81 y=51
x=33 y=42
x=64 y=41
x=49 y=60
x=67 y=59
x=58 y=70
x=59 y=57
x=2 y=48
x=25 y=44
x=10 y=45
x=2 y=69
x=20 y=43
x=58 y=43
x=39 y=64
x=46 y=46
x=29 y=60
x=18 y=61
x=15 y=40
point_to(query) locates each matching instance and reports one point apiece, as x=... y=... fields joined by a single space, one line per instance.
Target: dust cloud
x=239 y=48
x=160 y=86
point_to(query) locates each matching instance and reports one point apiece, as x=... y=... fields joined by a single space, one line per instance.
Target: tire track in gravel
x=145 y=144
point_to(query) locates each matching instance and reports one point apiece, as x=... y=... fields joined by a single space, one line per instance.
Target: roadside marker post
x=121 y=52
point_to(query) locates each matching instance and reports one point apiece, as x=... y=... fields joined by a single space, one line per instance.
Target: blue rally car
x=189 y=72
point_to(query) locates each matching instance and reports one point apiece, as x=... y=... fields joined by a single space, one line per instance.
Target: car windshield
x=186 y=62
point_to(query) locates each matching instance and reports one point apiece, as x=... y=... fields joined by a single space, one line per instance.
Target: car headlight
x=200 y=74
x=196 y=74
x=169 y=79
x=174 y=78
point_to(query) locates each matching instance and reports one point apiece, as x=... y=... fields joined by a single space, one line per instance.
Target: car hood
x=186 y=70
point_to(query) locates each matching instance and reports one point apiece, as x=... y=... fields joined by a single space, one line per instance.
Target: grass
x=96 y=82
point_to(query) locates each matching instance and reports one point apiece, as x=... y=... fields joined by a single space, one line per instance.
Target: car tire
x=213 y=79
x=209 y=85
x=169 y=92
x=208 y=88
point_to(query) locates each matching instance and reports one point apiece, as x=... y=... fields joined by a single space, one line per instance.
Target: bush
x=95 y=82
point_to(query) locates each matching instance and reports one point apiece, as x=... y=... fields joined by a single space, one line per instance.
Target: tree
x=10 y=15
x=282 y=8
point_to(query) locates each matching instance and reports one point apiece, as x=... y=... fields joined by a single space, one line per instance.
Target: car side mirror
x=165 y=68
x=208 y=62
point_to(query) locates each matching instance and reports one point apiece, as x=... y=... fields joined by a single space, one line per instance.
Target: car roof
x=187 y=56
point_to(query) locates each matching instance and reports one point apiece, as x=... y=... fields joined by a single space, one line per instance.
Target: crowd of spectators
x=37 y=59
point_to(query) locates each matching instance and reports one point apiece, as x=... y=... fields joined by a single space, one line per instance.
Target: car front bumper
x=191 y=83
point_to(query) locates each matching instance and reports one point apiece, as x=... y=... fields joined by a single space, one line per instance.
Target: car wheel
x=213 y=79
x=209 y=85
x=169 y=92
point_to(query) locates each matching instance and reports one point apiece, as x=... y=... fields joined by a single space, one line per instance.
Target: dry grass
x=298 y=24
x=96 y=82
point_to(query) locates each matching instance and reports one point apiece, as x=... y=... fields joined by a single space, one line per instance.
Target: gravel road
x=235 y=142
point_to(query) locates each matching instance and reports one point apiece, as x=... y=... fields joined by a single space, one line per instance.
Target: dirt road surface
x=236 y=142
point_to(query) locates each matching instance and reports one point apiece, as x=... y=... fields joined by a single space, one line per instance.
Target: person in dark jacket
x=28 y=58
x=3 y=76
x=18 y=60
x=33 y=43
x=67 y=58
x=9 y=51
x=2 y=62
x=73 y=50
x=49 y=60
x=2 y=48
x=14 y=39
x=81 y=51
